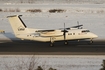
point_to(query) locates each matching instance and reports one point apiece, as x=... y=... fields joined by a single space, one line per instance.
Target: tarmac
x=18 y=47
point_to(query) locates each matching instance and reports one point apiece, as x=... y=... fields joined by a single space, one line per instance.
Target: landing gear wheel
x=51 y=45
x=52 y=41
x=91 y=41
x=66 y=43
x=78 y=40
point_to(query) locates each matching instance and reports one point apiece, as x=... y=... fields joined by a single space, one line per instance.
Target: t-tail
x=17 y=24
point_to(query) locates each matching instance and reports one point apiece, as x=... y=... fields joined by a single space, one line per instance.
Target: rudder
x=17 y=24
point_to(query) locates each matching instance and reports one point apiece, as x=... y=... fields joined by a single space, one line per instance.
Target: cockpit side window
x=85 y=31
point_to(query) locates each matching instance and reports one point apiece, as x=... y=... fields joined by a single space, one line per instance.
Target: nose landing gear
x=91 y=40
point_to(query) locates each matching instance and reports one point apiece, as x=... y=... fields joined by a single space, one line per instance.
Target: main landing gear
x=90 y=42
x=52 y=41
x=51 y=44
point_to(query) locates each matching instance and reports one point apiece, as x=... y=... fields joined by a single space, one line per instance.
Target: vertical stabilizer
x=17 y=24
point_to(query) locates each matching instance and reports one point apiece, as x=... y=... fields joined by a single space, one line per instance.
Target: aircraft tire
x=51 y=45
x=66 y=43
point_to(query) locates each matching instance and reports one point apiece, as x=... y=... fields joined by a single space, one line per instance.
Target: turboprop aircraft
x=44 y=35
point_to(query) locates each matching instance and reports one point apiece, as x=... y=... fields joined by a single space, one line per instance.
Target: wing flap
x=50 y=33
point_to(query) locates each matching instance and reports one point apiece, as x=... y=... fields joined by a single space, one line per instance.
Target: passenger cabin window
x=83 y=31
x=69 y=33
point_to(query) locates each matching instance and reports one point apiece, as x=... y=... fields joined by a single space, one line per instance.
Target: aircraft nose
x=95 y=36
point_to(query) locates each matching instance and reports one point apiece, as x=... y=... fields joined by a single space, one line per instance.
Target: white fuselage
x=75 y=34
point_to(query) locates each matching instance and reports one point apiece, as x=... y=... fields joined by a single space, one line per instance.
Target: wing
x=50 y=33
x=76 y=26
x=73 y=27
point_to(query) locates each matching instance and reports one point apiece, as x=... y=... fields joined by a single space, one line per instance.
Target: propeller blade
x=64 y=26
x=64 y=32
x=76 y=26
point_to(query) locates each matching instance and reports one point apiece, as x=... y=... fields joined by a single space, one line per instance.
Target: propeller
x=78 y=26
x=64 y=32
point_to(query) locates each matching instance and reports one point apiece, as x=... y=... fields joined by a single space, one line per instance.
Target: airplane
x=22 y=32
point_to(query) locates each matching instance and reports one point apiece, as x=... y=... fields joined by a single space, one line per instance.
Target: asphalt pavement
x=32 y=47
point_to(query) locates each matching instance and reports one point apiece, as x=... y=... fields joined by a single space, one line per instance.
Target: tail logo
x=21 y=28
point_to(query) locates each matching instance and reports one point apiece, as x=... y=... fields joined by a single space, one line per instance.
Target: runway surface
x=40 y=48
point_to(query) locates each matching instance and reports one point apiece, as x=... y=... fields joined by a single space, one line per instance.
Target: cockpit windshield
x=85 y=31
